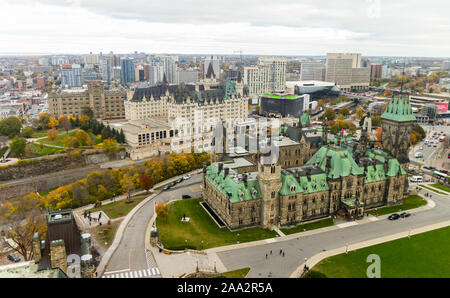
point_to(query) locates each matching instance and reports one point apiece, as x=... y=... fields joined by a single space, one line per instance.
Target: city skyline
x=281 y=28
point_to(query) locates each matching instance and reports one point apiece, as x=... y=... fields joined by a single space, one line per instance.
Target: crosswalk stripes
x=151 y=272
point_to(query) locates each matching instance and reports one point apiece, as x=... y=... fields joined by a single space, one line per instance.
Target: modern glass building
x=127 y=68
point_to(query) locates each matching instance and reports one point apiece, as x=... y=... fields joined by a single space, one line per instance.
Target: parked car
x=179 y=180
x=186 y=197
x=166 y=187
x=186 y=177
x=444 y=171
x=173 y=184
x=394 y=216
x=427 y=167
x=14 y=258
x=405 y=215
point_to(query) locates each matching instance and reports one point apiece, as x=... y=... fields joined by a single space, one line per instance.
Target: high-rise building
x=127 y=68
x=308 y=70
x=71 y=76
x=215 y=62
x=376 y=71
x=91 y=59
x=346 y=70
x=169 y=67
x=187 y=76
x=268 y=76
x=156 y=73
x=106 y=68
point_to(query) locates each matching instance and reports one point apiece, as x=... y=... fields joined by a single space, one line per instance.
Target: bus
x=439 y=175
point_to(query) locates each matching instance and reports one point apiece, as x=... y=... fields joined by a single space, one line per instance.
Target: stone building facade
x=345 y=177
x=107 y=104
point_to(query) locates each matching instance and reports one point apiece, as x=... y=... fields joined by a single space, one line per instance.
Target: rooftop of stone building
x=29 y=270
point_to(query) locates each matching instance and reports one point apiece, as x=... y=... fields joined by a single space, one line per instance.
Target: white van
x=416 y=179
x=419 y=155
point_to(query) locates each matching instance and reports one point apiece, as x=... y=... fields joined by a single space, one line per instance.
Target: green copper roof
x=290 y=185
x=228 y=185
x=342 y=163
x=279 y=96
x=399 y=109
x=305 y=119
x=375 y=173
x=351 y=202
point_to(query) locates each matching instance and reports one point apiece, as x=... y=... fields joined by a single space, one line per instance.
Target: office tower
x=187 y=76
x=127 y=67
x=308 y=70
x=106 y=68
x=170 y=68
x=346 y=70
x=268 y=76
x=215 y=62
x=71 y=76
x=156 y=73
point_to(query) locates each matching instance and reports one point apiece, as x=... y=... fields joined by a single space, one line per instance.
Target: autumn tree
x=52 y=134
x=146 y=182
x=24 y=220
x=344 y=111
x=329 y=114
x=110 y=146
x=64 y=122
x=359 y=113
x=52 y=122
x=162 y=211
x=387 y=93
x=82 y=137
x=378 y=134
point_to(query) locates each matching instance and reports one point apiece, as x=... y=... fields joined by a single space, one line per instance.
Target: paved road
x=131 y=256
x=298 y=249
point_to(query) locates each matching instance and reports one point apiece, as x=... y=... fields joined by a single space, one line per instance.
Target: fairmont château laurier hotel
x=344 y=178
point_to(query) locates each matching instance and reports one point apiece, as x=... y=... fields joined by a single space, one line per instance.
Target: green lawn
x=441 y=187
x=105 y=234
x=200 y=228
x=432 y=189
x=35 y=150
x=240 y=273
x=59 y=140
x=43 y=133
x=410 y=202
x=309 y=226
x=422 y=256
x=119 y=208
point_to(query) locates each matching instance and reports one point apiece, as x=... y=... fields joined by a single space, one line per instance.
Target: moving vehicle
x=439 y=175
x=405 y=214
x=166 y=187
x=418 y=155
x=14 y=258
x=186 y=177
x=179 y=180
x=394 y=216
x=416 y=179
x=186 y=197
x=444 y=171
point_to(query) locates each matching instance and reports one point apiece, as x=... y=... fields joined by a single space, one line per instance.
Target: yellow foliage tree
x=52 y=134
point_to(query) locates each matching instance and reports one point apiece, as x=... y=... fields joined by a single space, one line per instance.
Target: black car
x=394 y=216
x=14 y=258
x=186 y=197
x=405 y=215
x=166 y=187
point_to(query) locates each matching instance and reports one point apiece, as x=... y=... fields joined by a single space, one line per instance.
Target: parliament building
x=343 y=177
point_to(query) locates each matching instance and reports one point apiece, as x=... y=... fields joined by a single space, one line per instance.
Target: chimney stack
x=227 y=171
x=244 y=179
x=220 y=167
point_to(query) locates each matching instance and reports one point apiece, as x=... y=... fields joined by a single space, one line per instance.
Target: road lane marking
x=116 y=271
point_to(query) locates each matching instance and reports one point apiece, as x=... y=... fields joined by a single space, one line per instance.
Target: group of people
x=281 y=253
x=87 y=214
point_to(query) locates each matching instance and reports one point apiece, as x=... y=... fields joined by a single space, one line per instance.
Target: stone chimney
x=308 y=173
x=328 y=165
x=386 y=165
x=220 y=167
x=244 y=179
x=37 y=247
x=227 y=171
x=58 y=256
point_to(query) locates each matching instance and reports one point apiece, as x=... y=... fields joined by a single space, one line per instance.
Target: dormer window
x=293 y=188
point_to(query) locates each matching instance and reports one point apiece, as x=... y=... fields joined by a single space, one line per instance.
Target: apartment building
x=267 y=77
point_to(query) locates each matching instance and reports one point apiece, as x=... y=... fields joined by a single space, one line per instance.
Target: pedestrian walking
x=266 y=256
x=283 y=253
x=270 y=252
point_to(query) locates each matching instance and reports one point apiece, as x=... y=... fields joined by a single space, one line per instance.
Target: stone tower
x=397 y=122
x=269 y=178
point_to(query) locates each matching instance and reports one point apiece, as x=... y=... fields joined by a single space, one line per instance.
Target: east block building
x=345 y=177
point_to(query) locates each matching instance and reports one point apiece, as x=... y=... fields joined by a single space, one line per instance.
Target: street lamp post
x=346 y=248
x=185 y=241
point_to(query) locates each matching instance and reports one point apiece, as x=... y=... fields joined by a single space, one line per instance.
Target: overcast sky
x=281 y=27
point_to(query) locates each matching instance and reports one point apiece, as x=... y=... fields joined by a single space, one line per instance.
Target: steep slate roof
x=399 y=109
x=305 y=119
x=210 y=72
